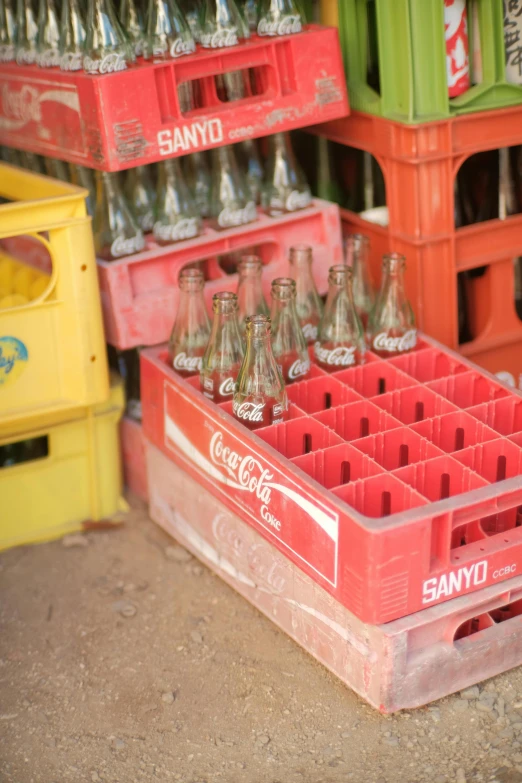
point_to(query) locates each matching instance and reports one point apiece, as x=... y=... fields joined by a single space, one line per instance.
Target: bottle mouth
x=393 y=262
x=258 y=325
x=340 y=274
x=250 y=265
x=355 y=246
x=191 y=278
x=283 y=288
x=224 y=302
x=300 y=253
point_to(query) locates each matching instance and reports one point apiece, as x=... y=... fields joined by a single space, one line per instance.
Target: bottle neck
x=192 y=311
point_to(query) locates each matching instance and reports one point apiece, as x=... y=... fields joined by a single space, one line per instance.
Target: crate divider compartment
x=428 y=365
x=494 y=460
x=454 y=431
x=414 y=404
x=440 y=478
x=468 y=389
x=298 y=437
x=319 y=394
x=504 y=416
x=380 y=496
x=337 y=466
x=397 y=448
x=375 y=378
x=357 y=420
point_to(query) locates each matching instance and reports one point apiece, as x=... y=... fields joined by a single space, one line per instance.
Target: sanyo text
x=190 y=137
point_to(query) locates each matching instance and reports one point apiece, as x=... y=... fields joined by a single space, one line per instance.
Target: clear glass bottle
x=392 y=323
x=107 y=48
x=141 y=196
x=168 y=32
x=288 y=341
x=231 y=203
x=251 y=164
x=177 y=216
x=57 y=169
x=279 y=17
x=191 y=10
x=251 y=14
x=116 y=233
x=131 y=19
x=250 y=289
x=48 y=37
x=198 y=180
x=7 y=31
x=33 y=162
x=84 y=178
x=224 y=354
x=26 y=33
x=357 y=250
x=308 y=302
x=222 y=24
x=191 y=331
x=285 y=188
x=340 y=343
x=72 y=35
x=260 y=397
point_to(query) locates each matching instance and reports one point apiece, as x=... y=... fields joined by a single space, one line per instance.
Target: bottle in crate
x=224 y=354
x=251 y=163
x=340 y=343
x=279 y=17
x=288 y=341
x=392 y=323
x=107 y=48
x=168 y=32
x=191 y=330
x=177 y=215
x=357 y=248
x=222 y=24
x=26 y=33
x=141 y=196
x=48 y=38
x=72 y=35
x=250 y=289
x=116 y=233
x=131 y=19
x=231 y=203
x=198 y=180
x=84 y=178
x=308 y=302
x=7 y=31
x=285 y=188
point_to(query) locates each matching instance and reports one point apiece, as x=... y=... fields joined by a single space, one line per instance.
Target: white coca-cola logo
x=298 y=200
x=187 y=363
x=183 y=229
x=71 y=61
x=342 y=356
x=147 y=222
x=237 y=217
x=247 y=471
x=127 y=246
x=310 y=331
x=25 y=57
x=7 y=53
x=111 y=63
x=23 y=105
x=249 y=411
x=50 y=58
x=179 y=47
x=298 y=369
x=227 y=36
x=407 y=341
x=227 y=387
x=285 y=26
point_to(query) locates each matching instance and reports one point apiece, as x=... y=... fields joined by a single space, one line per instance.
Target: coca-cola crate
x=132 y=117
x=400 y=665
x=140 y=293
x=388 y=534
x=133 y=457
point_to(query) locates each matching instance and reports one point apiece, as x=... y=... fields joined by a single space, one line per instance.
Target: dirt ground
x=122 y=659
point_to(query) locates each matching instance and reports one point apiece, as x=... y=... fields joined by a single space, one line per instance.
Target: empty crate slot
x=376 y=378
x=504 y=613
x=440 y=478
x=337 y=466
x=397 y=448
x=228 y=263
x=414 y=404
x=357 y=420
x=298 y=437
x=454 y=431
x=473 y=625
x=468 y=389
x=21 y=451
x=379 y=496
x=504 y=416
x=494 y=460
x=428 y=365
x=320 y=394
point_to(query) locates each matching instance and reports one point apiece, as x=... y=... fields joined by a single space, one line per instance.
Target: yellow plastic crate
x=79 y=480
x=52 y=350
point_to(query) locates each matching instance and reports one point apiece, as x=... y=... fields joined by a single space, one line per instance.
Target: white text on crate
x=190 y=137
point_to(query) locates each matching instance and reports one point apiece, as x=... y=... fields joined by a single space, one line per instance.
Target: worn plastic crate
x=400 y=665
x=133 y=117
x=410 y=58
x=133 y=456
x=140 y=293
x=52 y=349
x=70 y=477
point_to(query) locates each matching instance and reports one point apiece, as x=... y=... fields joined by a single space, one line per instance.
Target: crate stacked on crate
x=59 y=458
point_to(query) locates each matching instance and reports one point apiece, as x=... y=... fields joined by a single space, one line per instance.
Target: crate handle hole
x=386 y=504
x=307 y=443
x=345 y=471
x=403 y=455
x=501 y=467
x=419 y=411
x=365 y=426
x=93 y=358
x=83 y=267
x=382 y=386
x=459 y=438
x=327 y=400
x=444 y=486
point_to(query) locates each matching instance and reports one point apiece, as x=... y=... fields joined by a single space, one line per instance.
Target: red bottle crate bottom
x=400 y=665
x=132 y=444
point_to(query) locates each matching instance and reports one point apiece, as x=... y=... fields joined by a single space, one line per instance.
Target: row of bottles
x=101 y=40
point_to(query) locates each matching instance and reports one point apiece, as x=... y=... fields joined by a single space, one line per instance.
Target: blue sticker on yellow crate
x=13 y=359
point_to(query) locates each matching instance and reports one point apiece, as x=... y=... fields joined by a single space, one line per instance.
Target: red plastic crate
x=133 y=117
x=133 y=457
x=380 y=544
x=140 y=293
x=400 y=665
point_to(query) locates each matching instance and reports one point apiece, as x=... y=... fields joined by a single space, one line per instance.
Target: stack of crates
x=59 y=451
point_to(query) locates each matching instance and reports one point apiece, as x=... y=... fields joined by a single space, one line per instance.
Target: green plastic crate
x=405 y=38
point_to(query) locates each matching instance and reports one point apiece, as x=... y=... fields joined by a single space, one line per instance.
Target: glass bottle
x=177 y=216
x=251 y=14
x=392 y=323
x=251 y=164
x=224 y=354
x=340 y=342
x=285 y=188
x=26 y=33
x=288 y=341
x=260 y=397
x=131 y=19
x=116 y=233
x=7 y=31
x=83 y=177
x=31 y=161
x=72 y=35
x=308 y=302
x=357 y=248
x=198 y=180
x=279 y=17
x=191 y=10
x=231 y=203
x=222 y=24
x=168 y=32
x=48 y=37
x=107 y=48
x=191 y=330
x=250 y=290
x=57 y=169
x=141 y=196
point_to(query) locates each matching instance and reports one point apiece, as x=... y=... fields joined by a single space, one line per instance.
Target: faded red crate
x=133 y=117
x=404 y=528
x=401 y=665
x=140 y=293
x=133 y=457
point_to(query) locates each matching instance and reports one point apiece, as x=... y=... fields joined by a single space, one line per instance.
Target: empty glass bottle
x=168 y=32
x=340 y=343
x=107 y=48
x=191 y=330
x=285 y=188
x=7 y=31
x=31 y=161
x=251 y=164
x=251 y=14
x=198 y=180
x=231 y=203
x=288 y=341
x=222 y=24
x=26 y=33
x=308 y=302
x=48 y=37
x=279 y=17
x=191 y=10
x=260 y=397
x=392 y=323
x=141 y=196
x=250 y=290
x=357 y=248
x=116 y=233
x=177 y=216
x=57 y=169
x=224 y=354
x=131 y=19
x=84 y=178
x=72 y=35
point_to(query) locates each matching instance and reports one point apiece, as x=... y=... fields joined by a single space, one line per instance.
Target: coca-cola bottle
x=26 y=33
x=131 y=19
x=141 y=196
x=33 y=162
x=251 y=14
x=279 y=17
x=191 y=10
x=285 y=188
x=224 y=354
x=57 y=169
x=198 y=180
x=357 y=247
x=48 y=38
x=251 y=164
x=168 y=32
x=72 y=35
x=83 y=177
x=308 y=302
x=250 y=289
x=260 y=396
x=116 y=233
x=177 y=216
x=191 y=330
x=340 y=343
x=288 y=341
x=107 y=48
x=231 y=203
x=392 y=323
x=222 y=24
x=7 y=31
